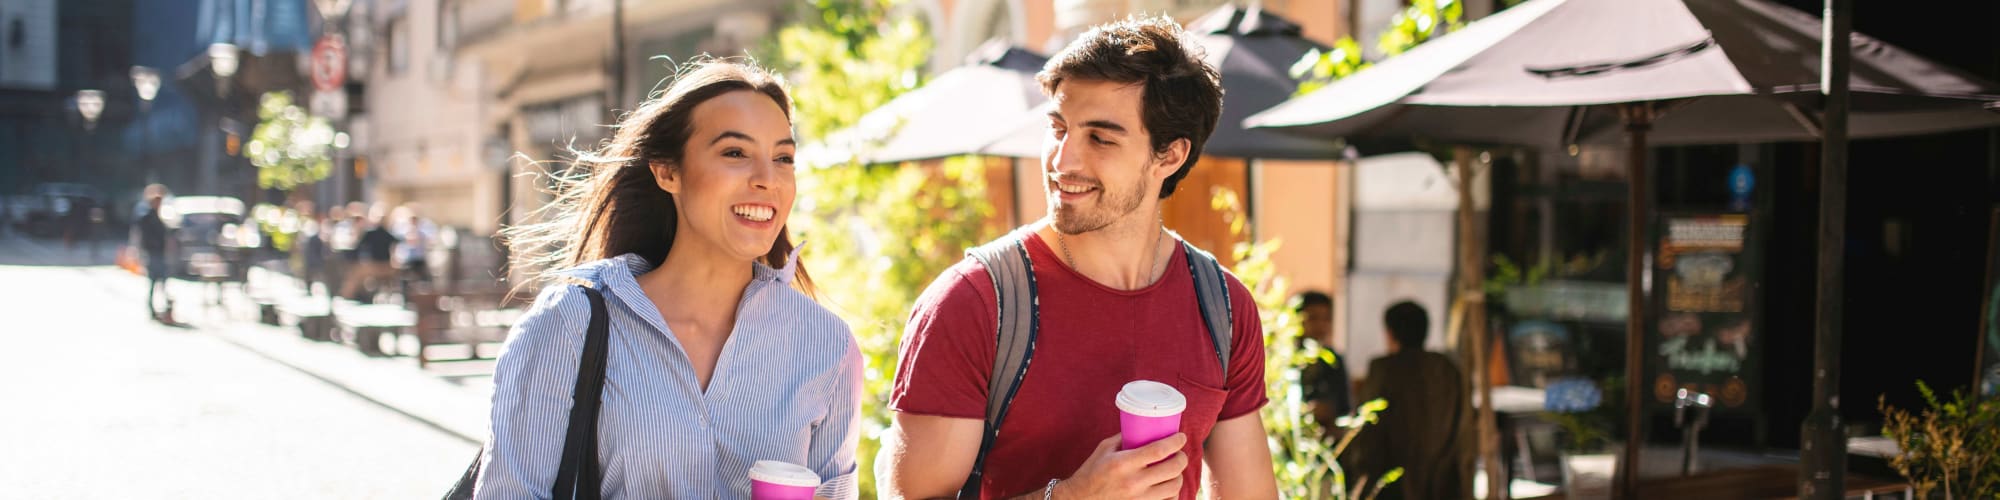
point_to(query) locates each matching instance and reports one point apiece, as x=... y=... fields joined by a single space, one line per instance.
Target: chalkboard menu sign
x=1704 y=335
x=1988 y=381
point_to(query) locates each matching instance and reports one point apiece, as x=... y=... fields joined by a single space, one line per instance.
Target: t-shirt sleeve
x=1245 y=379
x=947 y=350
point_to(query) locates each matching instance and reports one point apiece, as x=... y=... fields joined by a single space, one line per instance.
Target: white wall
x=426 y=126
x=1404 y=238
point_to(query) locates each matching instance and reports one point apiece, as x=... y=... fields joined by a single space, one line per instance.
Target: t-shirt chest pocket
x=1204 y=404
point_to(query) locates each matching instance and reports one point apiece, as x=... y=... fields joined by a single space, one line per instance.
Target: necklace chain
x=1153 y=253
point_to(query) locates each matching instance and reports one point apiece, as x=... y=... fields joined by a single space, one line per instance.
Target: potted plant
x=1589 y=457
x=1951 y=449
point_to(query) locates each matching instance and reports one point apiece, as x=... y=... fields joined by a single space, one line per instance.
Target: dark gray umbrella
x=1554 y=73
x=1551 y=73
x=1254 y=51
x=958 y=112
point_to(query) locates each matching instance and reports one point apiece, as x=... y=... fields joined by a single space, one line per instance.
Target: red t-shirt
x=1093 y=339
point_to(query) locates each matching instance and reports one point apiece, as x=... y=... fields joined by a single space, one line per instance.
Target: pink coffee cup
x=1148 y=411
x=774 y=480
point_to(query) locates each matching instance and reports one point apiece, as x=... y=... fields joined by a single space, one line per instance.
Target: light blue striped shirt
x=787 y=387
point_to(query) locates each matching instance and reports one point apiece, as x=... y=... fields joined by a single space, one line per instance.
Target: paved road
x=97 y=401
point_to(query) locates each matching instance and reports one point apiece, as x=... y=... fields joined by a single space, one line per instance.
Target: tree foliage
x=1420 y=22
x=289 y=147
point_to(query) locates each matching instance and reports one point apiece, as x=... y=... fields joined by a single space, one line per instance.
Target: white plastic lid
x=1147 y=398
x=783 y=474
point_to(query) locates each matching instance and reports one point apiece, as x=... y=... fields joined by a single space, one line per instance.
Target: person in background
x=348 y=231
x=333 y=253
x=412 y=254
x=77 y=224
x=1322 y=384
x=373 y=251
x=1428 y=429
x=311 y=247
x=155 y=240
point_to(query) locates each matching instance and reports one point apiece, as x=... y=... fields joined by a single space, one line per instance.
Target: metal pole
x=617 y=87
x=145 y=141
x=1638 y=119
x=1472 y=289
x=1823 y=463
x=1471 y=325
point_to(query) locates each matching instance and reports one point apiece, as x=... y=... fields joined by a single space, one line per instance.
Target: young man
x=1115 y=300
x=1428 y=428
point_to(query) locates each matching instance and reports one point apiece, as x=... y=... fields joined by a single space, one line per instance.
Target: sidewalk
x=452 y=397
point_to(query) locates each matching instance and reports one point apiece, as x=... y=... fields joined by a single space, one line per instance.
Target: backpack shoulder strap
x=1211 y=293
x=1006 y=260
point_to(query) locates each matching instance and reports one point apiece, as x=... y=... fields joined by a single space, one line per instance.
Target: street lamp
x=147 y=82
x=222 y=60
x=333 y=9
x=90 y=104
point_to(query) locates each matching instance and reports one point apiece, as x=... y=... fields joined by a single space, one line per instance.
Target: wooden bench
x=364 y=325
x=468 y=318
x=312 y=314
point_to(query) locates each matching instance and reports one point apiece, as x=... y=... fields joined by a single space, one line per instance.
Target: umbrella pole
x=1638 y=119
x=1472 y=293
x=1823 y=462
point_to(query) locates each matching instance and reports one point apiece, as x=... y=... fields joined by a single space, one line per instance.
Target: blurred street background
x=1619 y=198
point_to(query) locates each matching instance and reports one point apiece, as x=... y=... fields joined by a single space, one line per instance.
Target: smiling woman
x=714 y=357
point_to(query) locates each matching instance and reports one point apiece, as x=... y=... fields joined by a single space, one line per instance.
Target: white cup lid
x=783 y=474
x=1147 y=398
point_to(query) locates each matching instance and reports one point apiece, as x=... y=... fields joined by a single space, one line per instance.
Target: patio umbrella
x=1555 y=73
x=958 y=112
x=1254 y=50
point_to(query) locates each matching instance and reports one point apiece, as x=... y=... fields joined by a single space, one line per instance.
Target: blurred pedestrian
x=155 y=240
x=335 y=273
x=680 y=221
x=412 y=254
x=76 y=222
x=1427 y=430
x=372 y=251
x=1323 y=384
x=312 y=247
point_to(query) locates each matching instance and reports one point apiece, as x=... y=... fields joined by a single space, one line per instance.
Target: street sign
x=332 y=105
x=329 y=64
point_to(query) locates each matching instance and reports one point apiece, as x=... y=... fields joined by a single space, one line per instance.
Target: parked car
x=47 y=216
x=214 y=239
x=20 y=208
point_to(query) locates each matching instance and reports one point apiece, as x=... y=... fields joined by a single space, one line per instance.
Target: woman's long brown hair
x=608 y=203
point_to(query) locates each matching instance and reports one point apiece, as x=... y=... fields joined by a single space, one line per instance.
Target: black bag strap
x=578 y=474
x=1017 y=323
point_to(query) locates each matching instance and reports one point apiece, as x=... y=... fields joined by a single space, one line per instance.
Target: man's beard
x=1072 y=219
